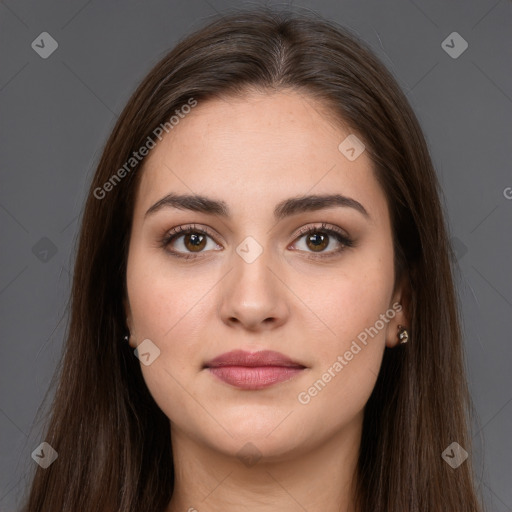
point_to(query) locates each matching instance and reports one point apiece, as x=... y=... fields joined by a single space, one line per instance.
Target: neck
x=322 y=478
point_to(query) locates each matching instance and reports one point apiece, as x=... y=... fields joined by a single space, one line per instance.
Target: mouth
x=252 y=371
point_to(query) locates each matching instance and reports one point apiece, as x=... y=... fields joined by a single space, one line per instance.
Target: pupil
x=317 y=236
x=195 y=239
x=318 y=240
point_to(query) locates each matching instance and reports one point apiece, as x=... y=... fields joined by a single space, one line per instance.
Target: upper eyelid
x=324 y=226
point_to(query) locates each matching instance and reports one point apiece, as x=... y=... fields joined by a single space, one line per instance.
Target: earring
x=126 y=338
x=403 y=335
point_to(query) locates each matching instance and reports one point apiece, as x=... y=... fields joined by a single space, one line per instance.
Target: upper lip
x=252 y=359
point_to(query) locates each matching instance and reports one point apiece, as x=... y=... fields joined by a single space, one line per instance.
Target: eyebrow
x=286 y=208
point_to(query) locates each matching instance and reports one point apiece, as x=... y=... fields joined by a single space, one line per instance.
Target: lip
x=258 y=370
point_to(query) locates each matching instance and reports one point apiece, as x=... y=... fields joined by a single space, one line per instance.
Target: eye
x=189 y=238
x=318 y=238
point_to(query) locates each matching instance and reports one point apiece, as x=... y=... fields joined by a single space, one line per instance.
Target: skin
x=310 y=310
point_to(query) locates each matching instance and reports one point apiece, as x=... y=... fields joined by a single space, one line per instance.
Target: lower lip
x=257 y=377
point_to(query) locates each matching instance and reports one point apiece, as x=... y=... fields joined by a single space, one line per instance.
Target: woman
x=263 y=312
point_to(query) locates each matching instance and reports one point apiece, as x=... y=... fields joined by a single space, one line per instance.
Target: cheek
x=167 y=318
x=346 y=365
x=173 y=309
x=350 y=302
x=348 y=355
x=162 y=299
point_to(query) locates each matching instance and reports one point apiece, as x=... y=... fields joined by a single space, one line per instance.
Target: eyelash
x=176 y=233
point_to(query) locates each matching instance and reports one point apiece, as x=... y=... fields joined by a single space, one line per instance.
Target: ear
x=129 y=323
x=400 y=304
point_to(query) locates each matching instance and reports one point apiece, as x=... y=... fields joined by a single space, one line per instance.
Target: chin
x=250 y=447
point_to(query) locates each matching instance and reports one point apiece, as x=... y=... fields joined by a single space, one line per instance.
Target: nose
x=253 y=295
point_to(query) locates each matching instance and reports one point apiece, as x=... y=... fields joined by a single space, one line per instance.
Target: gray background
x=57 y=112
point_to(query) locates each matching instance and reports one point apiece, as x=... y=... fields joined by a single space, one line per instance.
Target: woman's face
x=256 y=282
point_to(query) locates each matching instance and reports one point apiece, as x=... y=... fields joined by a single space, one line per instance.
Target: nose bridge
x=252 y=279
x=252 y=294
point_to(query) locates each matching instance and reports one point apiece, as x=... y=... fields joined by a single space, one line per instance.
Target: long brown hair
x=112 y=439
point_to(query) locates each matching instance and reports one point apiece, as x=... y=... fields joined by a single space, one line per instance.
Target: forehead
x=257 y=149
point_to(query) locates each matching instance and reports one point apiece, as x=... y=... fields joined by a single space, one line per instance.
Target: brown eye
x=194 y=242
x=317 y=241
x=184 y=242
x=318 y=238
